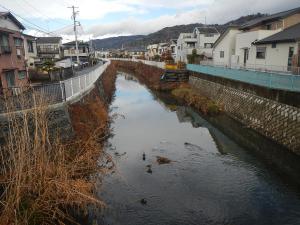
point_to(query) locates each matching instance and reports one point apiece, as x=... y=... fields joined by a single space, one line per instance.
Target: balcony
x=48 y=51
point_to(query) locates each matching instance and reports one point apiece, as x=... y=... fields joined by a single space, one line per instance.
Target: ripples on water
x=211 y=179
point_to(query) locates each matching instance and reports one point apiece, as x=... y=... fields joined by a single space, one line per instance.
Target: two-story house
x=12 y=57
x=206 y=37
x=248 y=51
x=69 y=51
x=173 y=48
x=185 y=44
x=49 y=48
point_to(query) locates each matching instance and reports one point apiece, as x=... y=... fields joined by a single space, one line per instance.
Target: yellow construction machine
x=173 y=71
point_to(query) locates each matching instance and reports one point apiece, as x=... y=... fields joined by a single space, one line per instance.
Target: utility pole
x=74 y=14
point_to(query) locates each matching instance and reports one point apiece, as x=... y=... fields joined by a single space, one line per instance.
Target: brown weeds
x=43 y=177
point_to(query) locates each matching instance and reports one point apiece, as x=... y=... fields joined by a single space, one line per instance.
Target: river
x=211 y=178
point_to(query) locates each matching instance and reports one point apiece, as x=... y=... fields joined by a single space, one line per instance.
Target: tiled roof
x=50 y=40
x=291 y=34
x=270 y=18
x=207 y=30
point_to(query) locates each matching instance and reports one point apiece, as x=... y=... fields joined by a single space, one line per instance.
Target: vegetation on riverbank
x=43 y=179
x=192 y=98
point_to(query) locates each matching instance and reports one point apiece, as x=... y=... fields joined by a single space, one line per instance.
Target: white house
x=173 y=48
x=248 y=55
x=206 y=37
x=185 y=45
x=279 y=52
x=152 y=51
x=224 y=47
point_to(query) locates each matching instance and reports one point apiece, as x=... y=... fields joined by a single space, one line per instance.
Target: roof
x=270 y=18
x=291 y=34
x=231 y=27
x=207 y=30
x=27 y=36
x=14 y=19
x=48 y=40
x=72 y=43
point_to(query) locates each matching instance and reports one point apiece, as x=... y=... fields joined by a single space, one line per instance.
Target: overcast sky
x=105 y=18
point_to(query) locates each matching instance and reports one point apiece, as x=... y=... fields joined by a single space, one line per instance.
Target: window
x=18 y=42
x=274 y=45
x=261 y=52
x=30 y=46
x=22 y=75
x=291 y=52
x=10 y=78
x=221 y=54
x=191 y=44
x=208 y=45
x=4 y=43
x=269 y=26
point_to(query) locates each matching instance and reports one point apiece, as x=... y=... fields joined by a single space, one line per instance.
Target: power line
x=39 y=28
x=41 y=13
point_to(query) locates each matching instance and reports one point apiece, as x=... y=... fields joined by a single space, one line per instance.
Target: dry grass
x=42 y=177
x=192 y=98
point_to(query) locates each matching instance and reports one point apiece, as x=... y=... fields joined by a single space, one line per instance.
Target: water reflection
x=211 y=179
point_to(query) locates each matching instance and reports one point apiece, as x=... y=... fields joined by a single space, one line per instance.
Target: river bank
x=43 y=178
x=211 y=178
x=272 y=153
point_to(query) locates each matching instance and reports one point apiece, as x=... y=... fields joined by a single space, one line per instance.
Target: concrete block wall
x=277 y=121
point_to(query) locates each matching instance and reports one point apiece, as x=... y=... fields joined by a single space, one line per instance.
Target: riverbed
x=211 y=178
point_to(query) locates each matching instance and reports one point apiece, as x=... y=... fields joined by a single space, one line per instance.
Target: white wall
x=8 y=24
x=276 y=58
x=245 y=40
x=182 y=48
x=30 y=56
x=227 y=44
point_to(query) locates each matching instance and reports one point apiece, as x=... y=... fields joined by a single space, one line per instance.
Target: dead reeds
x=42 y=176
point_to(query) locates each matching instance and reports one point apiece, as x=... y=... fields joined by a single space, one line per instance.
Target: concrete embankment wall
x=275 y=120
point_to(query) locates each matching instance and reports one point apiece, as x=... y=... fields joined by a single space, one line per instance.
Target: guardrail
x=286 y=82
x=21 y=98
x=160 y=65
x=77 y=85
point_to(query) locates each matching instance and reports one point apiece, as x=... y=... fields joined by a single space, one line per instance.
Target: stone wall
x=277 y=121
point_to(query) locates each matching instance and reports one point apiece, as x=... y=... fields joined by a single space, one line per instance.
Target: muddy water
x=211 y=179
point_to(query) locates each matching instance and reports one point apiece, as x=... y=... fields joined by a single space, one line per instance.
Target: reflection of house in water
x=184 y=116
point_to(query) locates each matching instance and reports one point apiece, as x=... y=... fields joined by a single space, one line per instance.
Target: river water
x=211 y=179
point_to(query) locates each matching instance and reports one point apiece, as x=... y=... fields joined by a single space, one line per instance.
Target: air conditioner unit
x=19 y=52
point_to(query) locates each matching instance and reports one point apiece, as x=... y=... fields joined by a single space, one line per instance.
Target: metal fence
x=256 y=67
x=20 y=98
x=287 y=82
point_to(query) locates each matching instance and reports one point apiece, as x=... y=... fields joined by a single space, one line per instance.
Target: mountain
x=163 y=35
x=115 y=42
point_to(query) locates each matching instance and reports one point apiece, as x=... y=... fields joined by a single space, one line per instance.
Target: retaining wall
x=277 y=121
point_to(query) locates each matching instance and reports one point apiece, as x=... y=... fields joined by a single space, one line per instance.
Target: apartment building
x=12 y=56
